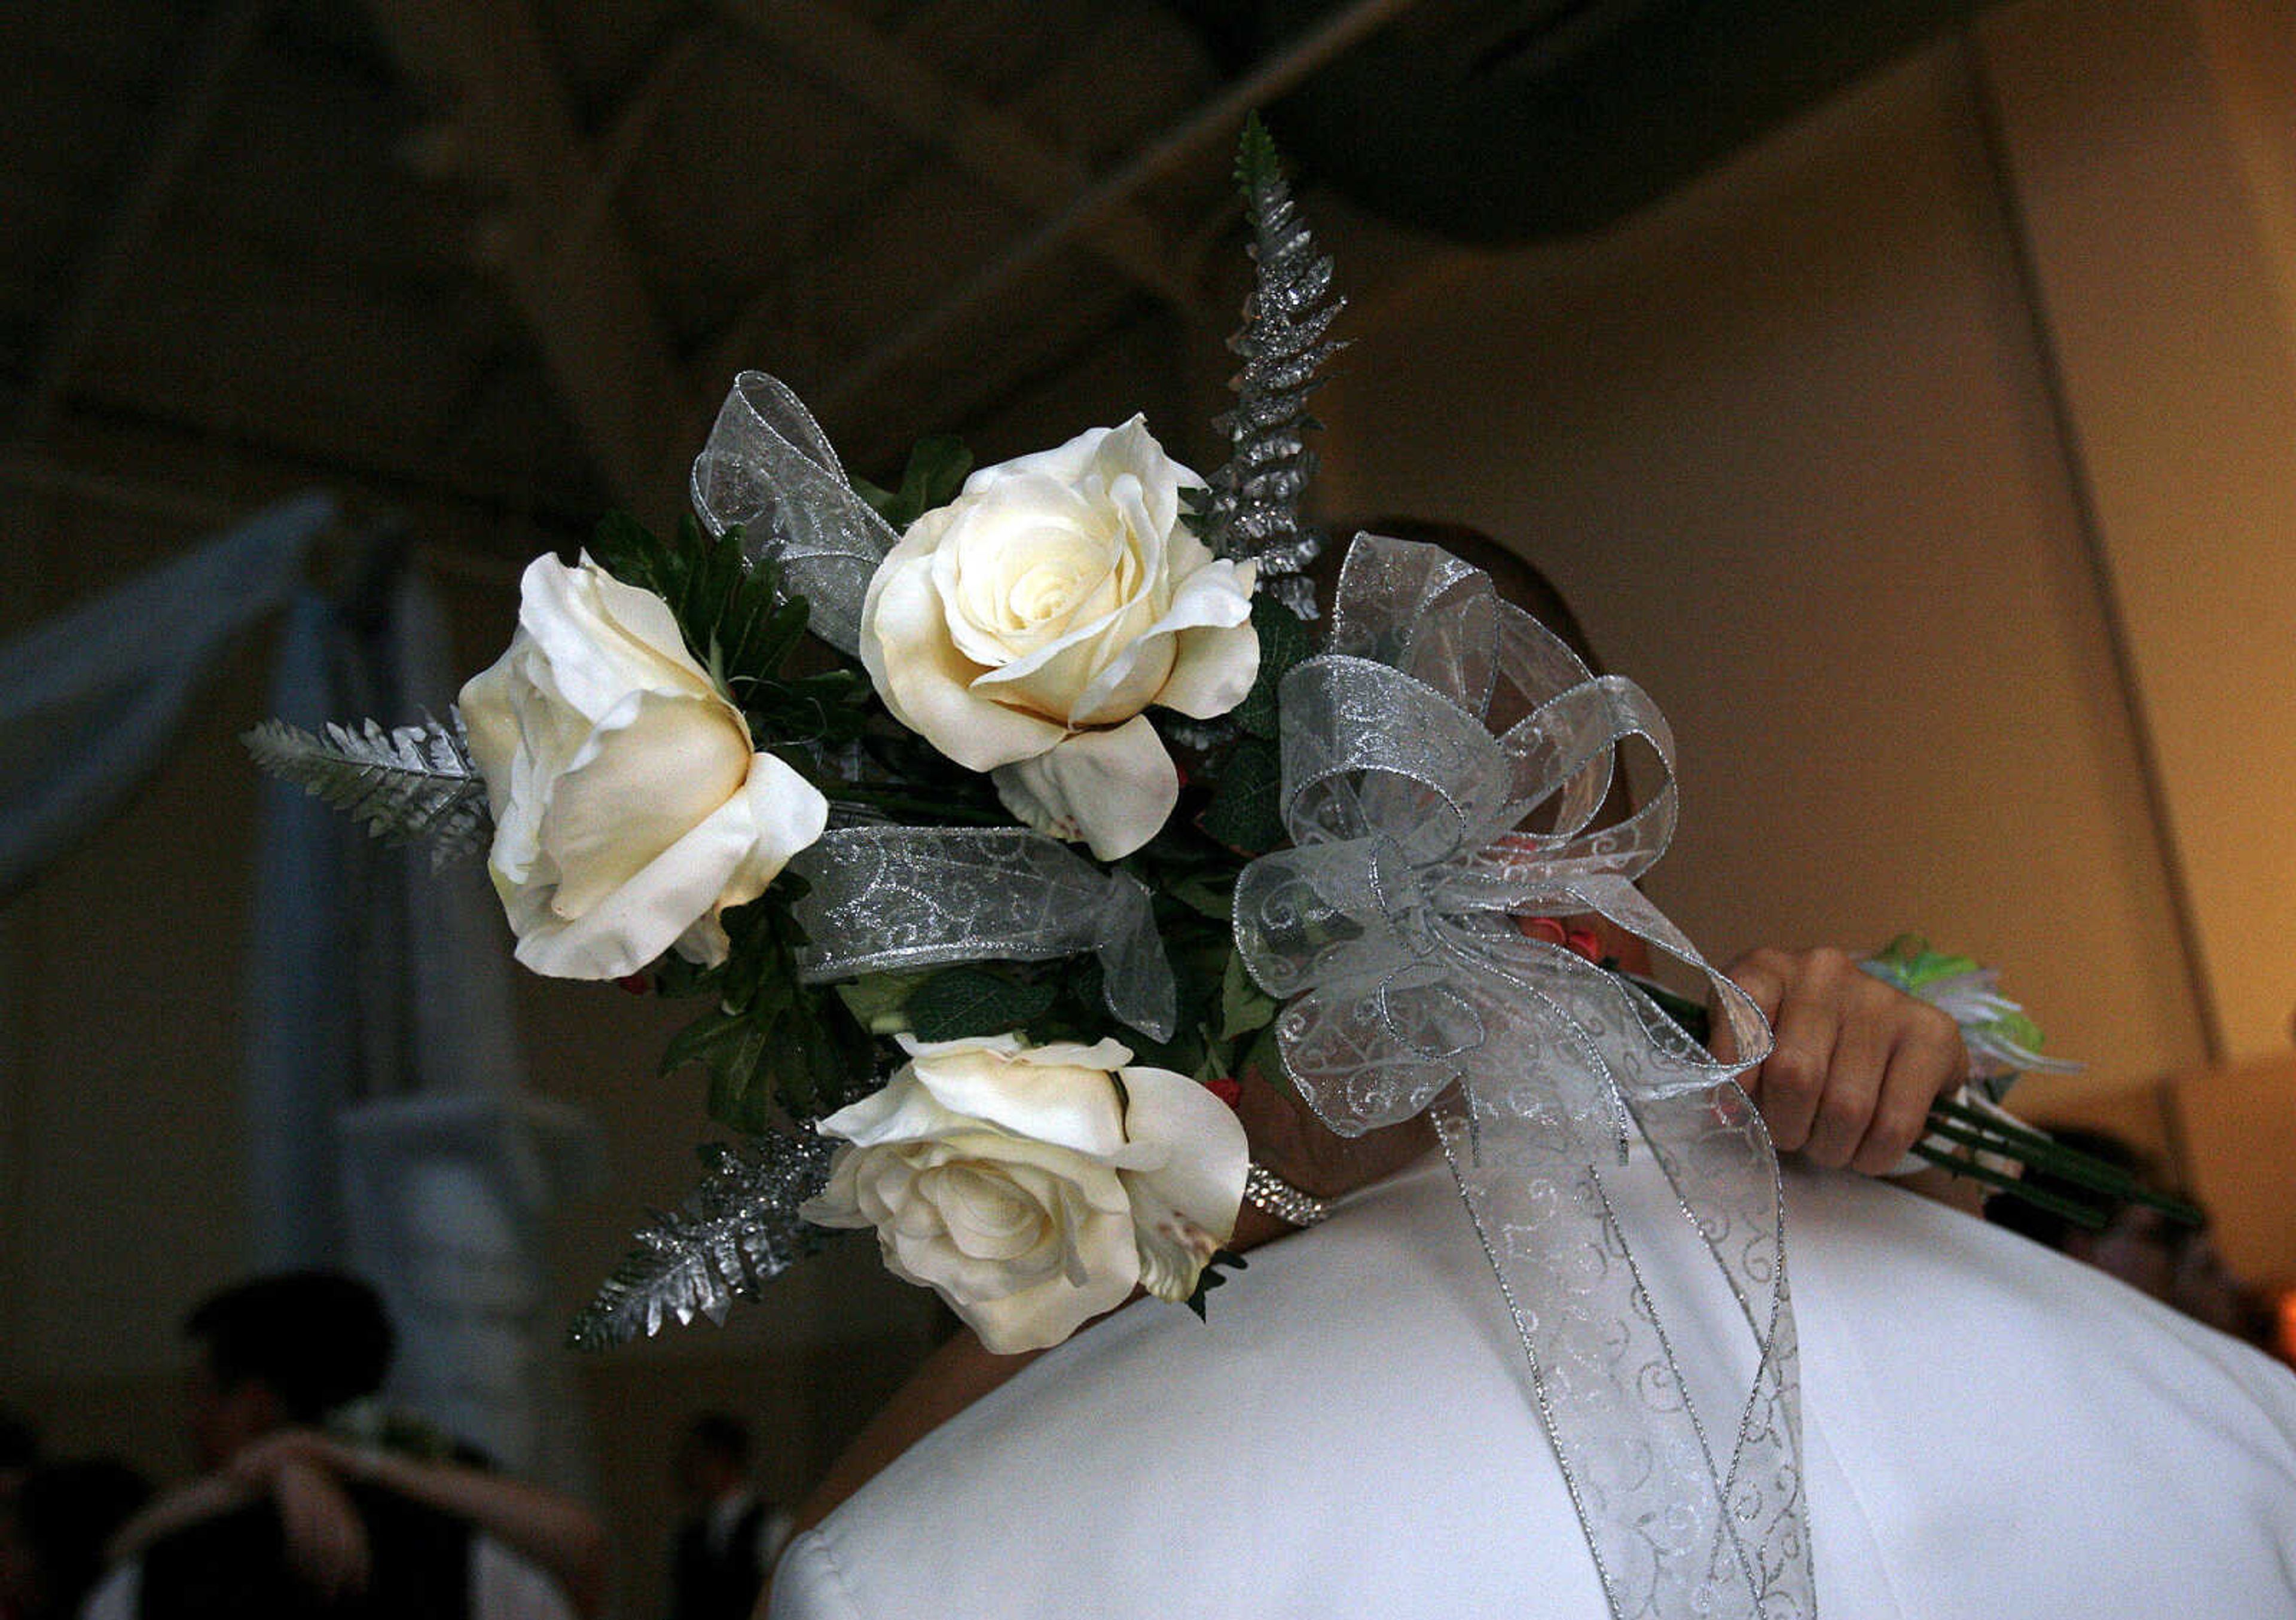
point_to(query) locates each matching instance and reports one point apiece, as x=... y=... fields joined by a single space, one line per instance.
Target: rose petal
x=655 y=766
x=638 y=922
x=925 y=682
x=1115 y=789
x=1071 y=1106
x=1198 y=1145
x=1213 y=670
x=901 y=1110
x=603 y=638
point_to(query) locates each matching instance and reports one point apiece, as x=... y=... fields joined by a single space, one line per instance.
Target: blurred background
x=1903 y=390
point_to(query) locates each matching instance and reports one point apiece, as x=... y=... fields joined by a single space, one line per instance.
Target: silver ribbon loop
x=1443 y=720
x=768 y=468
x=891 y=899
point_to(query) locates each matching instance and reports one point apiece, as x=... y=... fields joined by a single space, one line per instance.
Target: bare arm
x=557 y=1533
x=172 y=1510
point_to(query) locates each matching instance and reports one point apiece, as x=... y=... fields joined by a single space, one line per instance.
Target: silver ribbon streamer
x=768 y=468
x=1440 y=721
x=888 y=899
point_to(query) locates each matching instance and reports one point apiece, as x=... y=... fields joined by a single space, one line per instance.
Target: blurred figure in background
x=53 y=1533
x=731 y=1533
x=290 y=1520
x=2177 y=1263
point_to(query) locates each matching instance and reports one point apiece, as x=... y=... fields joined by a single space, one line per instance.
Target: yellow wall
x=1933 y=463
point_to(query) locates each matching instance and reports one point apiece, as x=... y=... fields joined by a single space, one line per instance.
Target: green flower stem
x=2081 y=1215
x=2037 y=1152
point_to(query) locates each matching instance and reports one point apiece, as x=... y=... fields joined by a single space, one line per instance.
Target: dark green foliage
x=935 y=474
x=1283 y=642
x=1246 y=813
x=957 y=1003
x=773 y=1048
x=739 y=628
x=1212 y=1277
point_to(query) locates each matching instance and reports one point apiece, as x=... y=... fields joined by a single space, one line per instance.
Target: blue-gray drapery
x=90 y=699
x=388 y=1127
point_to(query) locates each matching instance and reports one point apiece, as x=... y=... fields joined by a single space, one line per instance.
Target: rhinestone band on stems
x=1271 y=1194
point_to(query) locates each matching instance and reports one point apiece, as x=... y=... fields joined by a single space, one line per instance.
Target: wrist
x=1272 y=1209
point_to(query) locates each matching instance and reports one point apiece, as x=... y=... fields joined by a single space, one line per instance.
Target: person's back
x=236 y=1564
x=1990 y=1430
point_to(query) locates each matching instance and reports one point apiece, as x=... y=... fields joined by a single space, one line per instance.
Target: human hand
x=326 y=1541
x=1855 y=1063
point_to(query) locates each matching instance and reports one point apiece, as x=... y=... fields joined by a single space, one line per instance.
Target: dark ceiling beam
x=830 y=44
x=1212 y=125
x=216 y=51
x=617 y=153
x=575 y=281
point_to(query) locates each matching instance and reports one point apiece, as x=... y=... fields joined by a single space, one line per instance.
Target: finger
x=1791 y=1081
x=1929 y=1061
x=1852 y=1086
x=1762 y=975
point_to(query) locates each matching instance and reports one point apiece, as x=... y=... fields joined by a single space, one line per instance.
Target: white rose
x=630 y=807
x=1024 y=628
x=1032 y=1187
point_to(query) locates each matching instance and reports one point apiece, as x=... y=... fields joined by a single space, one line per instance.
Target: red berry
x=1542 y=927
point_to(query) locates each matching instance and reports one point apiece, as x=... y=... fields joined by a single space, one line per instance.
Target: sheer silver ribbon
x=886 y=898
x=1441 y=721
x=768 y=468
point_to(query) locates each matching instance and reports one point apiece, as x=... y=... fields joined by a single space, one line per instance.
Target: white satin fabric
x=1991 y=1430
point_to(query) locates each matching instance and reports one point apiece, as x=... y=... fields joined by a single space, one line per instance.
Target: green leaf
x=1265 y=1057
x=1246 y=811
x=698 y=1042
x=879 y=1002
x=741 y=1094
x=876 y=497
x=966 y=1001
x=935 y=474
x=629 y=551
x=1207 y=894
x=1212 y=1276
x=1257 y=164
x=728 y=610
x=1244 y=1006
x=1283 y=642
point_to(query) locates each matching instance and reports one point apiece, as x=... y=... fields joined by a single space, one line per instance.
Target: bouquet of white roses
x=886 y=844
x=892 y=782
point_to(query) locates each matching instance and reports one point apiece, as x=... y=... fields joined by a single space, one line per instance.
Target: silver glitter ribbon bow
x=887 y=898
x=1440 y=723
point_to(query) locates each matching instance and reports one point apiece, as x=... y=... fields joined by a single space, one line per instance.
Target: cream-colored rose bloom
x=1024 y=628
x=630 y=807
x=1032 y=1187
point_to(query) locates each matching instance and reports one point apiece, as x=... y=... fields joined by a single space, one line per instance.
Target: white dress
x=1991 y=1430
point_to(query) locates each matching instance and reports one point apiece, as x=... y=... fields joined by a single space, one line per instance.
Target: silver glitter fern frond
x=412 y=785
x=735 y=1233
x=1253 y=512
